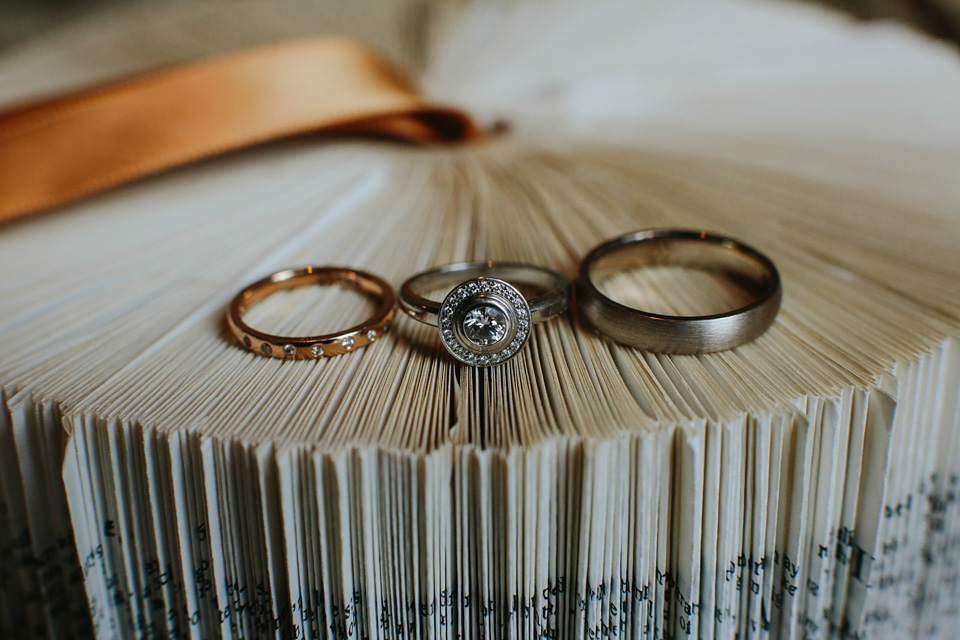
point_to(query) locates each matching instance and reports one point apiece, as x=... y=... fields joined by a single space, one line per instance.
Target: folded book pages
x=158 y=479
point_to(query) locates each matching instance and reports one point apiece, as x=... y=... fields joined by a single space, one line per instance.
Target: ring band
x=485 y=319
x=309 y=347
x=680 y=334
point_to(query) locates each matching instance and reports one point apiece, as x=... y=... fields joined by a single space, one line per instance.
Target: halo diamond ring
x=485 y=320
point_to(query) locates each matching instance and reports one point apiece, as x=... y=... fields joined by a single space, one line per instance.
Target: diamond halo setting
x=484 y=321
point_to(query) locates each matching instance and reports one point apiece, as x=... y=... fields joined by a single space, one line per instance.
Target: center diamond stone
x=485 y=325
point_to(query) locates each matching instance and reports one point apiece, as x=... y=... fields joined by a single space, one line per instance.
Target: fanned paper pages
x=158 y=480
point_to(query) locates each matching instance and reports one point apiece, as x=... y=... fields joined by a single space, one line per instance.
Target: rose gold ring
x=308 y=347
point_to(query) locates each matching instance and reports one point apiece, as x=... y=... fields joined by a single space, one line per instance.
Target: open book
x=157 y=479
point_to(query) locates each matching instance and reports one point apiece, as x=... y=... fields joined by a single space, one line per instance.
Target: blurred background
x=19 y=19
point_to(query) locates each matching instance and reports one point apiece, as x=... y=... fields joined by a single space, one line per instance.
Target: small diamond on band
x=316 y=351
x=347 y=343
x=289 y=349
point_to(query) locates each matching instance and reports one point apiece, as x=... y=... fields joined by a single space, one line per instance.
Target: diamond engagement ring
x=680 y=334
x=485 y=319
x=319 y=346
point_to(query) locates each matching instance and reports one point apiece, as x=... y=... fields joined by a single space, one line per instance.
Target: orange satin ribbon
x=61 y=149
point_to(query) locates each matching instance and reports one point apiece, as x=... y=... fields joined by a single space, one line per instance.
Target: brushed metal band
x=553 y=301
x=680 y=334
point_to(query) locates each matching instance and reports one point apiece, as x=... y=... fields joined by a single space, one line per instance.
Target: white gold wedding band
x=680 y=334
x=485 y=319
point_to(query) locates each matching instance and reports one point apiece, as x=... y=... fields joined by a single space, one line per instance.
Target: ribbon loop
x=58 y=150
